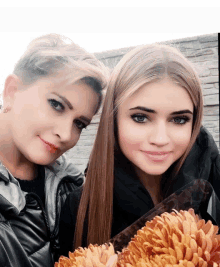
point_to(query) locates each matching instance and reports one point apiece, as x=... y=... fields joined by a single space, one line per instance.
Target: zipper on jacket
x=56 y=210
x=54 y=248
x=56 y=225
x=36 y=197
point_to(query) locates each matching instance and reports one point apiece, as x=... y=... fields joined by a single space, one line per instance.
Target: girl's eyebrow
x=153 y=111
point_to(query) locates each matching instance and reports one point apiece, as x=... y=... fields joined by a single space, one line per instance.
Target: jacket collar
x=12 y=198
x=55 y=174
x=129 y=193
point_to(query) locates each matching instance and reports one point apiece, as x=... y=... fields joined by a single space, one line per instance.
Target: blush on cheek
x=129 y=134
x=182 y=136
x=183 y=140
x=181 y=147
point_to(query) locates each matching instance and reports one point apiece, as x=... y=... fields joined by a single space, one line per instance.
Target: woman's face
x=50 y=112
x=155 y=126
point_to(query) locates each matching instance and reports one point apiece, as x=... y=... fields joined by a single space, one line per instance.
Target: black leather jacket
x=28 y=230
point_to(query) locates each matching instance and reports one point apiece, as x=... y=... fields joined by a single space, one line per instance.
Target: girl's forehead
x=160 y=94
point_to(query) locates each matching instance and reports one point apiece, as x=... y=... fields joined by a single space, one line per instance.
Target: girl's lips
x=157 y=156
x=157 y=153
x=49 y=146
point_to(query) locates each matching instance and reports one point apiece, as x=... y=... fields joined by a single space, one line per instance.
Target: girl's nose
x=159 y=135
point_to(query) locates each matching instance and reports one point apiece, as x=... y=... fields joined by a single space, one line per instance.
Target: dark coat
x=131 y=200
x=28 y=228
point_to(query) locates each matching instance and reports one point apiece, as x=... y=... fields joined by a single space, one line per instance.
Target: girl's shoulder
x=206 y=142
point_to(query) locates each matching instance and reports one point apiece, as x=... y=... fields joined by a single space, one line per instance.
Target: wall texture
x=202 y=51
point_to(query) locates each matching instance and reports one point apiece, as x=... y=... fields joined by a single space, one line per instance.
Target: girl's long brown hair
x=142 y=65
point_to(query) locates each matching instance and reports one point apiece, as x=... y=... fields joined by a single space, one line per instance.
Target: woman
x=149 y=144
x=53 y=93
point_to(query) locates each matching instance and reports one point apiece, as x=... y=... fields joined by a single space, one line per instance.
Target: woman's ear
x=12 y=84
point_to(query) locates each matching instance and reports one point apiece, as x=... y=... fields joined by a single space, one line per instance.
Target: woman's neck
x=11 y=157
x=152 y=183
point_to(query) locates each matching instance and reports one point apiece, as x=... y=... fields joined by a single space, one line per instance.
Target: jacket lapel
x=12 y=198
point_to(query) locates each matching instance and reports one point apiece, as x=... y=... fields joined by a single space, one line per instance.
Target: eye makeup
x=184 y=111
x=143 y=118
x=54 y=104
x=59 y=107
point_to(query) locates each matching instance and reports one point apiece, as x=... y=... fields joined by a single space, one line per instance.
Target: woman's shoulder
x=68 y=221
x=62 y=181
x=206 y=142
x=203 y=153
x=65 y=170
x=73 y=199
x=64 y=164
x=202 y=156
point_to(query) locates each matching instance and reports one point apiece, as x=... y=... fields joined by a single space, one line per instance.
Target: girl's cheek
x=181 y=137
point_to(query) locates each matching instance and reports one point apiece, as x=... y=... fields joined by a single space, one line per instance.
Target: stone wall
x=202 y=51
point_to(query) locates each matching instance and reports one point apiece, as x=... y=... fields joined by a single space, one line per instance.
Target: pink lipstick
x=157 y=156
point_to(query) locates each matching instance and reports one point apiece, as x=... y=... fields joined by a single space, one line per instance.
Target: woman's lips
x=50 y=147
x=157 y=156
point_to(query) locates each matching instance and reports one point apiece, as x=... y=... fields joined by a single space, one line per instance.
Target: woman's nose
x=64 y=130
x=159 y=135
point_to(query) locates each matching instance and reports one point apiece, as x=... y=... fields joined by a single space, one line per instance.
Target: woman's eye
x=80 y=125
x=139 y=118
x=56 y=105
x=180 y=120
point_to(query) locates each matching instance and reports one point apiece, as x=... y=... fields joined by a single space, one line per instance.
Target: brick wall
x=202 y=51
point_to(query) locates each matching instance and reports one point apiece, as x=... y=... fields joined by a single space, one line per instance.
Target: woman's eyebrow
x=85 y=119
x=144 y=109
x=182 y=111
x=71 y=107
x=64 y=99
x=153 y=111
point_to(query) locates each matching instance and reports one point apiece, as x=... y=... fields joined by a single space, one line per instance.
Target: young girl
x=53 y=93
x=149 y=143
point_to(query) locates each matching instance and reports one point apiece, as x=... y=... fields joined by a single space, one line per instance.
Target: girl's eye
x=140 y=118
x=181 y=120
x=80 y=125
x=56 y=105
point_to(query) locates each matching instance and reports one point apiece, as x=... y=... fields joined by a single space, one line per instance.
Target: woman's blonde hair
x=54 y=54
x=145 y=64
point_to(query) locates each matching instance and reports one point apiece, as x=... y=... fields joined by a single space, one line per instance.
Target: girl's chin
x=154 y=171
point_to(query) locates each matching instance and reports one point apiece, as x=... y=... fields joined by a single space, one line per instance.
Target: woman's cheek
x=129 y=132
x=182 y=137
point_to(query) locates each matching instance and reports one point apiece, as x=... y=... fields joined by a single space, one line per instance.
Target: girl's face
x=155 y=126
x=46 y=119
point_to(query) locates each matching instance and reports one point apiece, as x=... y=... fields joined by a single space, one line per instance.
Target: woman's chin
x=42 y=160
x=154 y=171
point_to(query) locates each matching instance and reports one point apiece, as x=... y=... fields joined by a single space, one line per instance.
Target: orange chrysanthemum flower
x=93 y=256
x=173 y=239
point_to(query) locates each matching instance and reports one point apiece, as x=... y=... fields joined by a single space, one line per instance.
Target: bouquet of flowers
x=166 y=238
